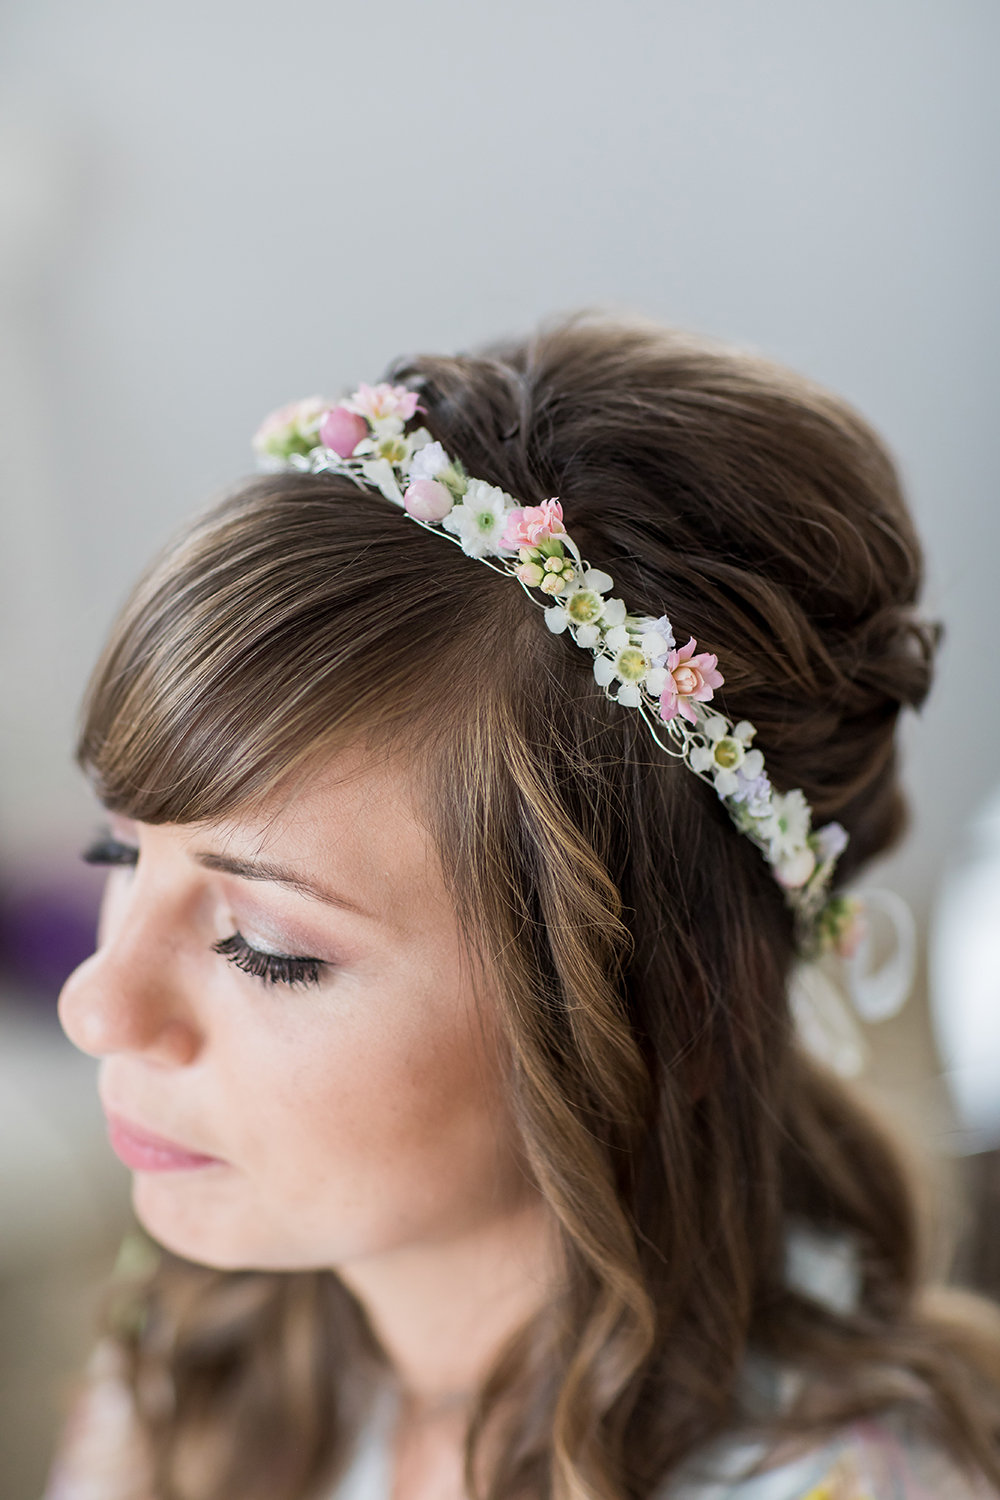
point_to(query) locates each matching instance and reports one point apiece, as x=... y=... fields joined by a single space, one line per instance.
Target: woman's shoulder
x=101 y=1455
x=871 y=1460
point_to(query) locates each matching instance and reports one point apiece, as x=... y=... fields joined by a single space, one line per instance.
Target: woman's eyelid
x=266 y=950
x=270 y=931
x=122 y=829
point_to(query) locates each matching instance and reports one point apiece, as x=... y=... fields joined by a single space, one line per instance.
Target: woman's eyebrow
x=248 y=869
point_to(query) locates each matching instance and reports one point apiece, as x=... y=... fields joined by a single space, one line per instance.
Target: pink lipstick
x=145 y=1152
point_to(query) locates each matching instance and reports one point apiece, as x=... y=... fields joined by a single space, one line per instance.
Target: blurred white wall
x=237 y=203
x=965 y=982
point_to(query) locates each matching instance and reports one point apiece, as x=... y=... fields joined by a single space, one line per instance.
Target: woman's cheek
x=365 y=1095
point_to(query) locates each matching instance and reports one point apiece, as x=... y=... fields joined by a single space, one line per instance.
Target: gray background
x=226 y=205
x=209 y=208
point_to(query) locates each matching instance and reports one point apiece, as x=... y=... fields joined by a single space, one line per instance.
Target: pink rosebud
x=427 y=500
x=533 y=524
x=342 y=430
x=690 y=679
x=531 y=575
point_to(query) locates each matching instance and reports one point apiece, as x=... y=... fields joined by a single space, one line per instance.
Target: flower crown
x=637 y=660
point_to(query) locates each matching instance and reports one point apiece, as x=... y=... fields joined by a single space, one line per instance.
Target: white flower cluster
x=636 y=659
x=480 y=520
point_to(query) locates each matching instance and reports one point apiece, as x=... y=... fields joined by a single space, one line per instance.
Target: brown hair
x=643 y=948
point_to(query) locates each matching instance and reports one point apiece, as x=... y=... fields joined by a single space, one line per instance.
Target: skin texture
x=359 y=1124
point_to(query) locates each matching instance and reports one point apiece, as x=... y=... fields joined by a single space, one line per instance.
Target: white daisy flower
x=585 y=607
x=726 y=756
x=787 y=829
x=481 y=520
x=629 y=655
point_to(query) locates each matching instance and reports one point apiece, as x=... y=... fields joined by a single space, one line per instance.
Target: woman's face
x=283 y=1126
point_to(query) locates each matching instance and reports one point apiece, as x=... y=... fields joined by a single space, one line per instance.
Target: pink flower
x=428 y=500
x=381 y=401
x=534 y=524
x=342 y=430
x=291 y=429
x=690 y=679
x=853 y=930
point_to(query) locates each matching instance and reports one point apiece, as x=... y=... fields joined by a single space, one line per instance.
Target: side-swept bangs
x=299 y=613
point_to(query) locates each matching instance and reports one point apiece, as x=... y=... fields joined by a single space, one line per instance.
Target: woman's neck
x=442 y=1312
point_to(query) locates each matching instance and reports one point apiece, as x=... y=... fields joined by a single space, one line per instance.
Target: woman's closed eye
x=272 y=968
x=107 y=850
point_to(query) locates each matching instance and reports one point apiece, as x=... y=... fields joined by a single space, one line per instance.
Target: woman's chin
x=196 y=1224
x=221 y=1229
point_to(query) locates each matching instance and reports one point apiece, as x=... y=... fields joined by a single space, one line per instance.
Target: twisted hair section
x=639 y=948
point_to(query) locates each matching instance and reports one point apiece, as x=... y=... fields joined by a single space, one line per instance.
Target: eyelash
x=110 y=851
x=272 y=968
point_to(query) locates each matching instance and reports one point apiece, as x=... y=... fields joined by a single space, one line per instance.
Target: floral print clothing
x=876 y=1460
x=102 y=1459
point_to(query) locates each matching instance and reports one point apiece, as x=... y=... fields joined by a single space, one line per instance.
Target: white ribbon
x=877 y=981
x=880 y=991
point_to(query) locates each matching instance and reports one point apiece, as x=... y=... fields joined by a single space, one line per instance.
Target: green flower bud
x=455 y=479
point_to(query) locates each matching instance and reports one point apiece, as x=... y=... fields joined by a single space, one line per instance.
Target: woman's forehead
x=348 y=834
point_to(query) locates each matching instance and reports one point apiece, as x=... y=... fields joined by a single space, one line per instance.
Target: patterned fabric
x=881 y=1460
x=884 y=1460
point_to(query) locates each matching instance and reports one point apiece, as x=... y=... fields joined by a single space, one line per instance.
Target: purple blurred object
x=47 y=927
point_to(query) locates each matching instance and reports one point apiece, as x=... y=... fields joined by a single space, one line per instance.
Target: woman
x=441 y=988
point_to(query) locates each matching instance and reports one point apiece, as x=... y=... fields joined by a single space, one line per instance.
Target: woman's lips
x=144 y=1152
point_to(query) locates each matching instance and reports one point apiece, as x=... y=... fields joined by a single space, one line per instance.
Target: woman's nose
x=127 y=998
